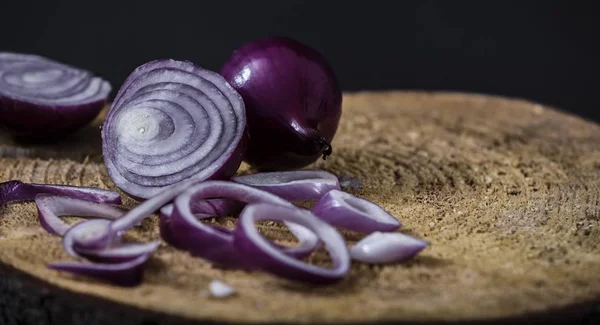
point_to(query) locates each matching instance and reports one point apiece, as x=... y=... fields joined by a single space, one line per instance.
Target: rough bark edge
x=26 y=300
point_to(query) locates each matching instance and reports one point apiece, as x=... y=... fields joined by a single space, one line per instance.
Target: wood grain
x=505 y=190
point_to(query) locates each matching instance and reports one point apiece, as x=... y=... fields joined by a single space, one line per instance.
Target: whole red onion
x=293 y=101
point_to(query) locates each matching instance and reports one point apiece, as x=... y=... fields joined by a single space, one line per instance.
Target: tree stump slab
x=505 y=190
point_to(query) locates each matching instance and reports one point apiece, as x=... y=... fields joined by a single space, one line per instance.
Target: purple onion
x=18 y=191
x=173 y=121
x=119 y=254
x=379 y=248
x=216 y=243
x=347 y=211
x=89 y=235
x=297 y=185
x=51 y=207
x=41 y=98
x=293 y=101
x=129 y=273
x=265 y=256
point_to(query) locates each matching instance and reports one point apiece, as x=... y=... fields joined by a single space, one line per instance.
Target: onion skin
x=293 y=102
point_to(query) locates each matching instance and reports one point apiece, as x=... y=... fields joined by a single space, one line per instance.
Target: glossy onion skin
x=31 y=115
x=293 y=101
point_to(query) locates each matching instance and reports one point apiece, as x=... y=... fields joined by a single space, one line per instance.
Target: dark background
x=538 y=50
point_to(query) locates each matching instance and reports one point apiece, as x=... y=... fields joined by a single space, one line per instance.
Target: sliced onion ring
x=215 y=243
x=18 y=191
x=89 y=235
x=40 y=97
x=296 y=185
x=172 y=121
x=380 y=248
x=347 y=211
x=269 y=258
x=51 y=207
x=76 y=238
x=123 y=253
x=129 y=273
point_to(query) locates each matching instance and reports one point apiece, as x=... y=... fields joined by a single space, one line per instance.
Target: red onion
x=119 y=254
x=173 y=121
x=292 y=98
x=127 y=273
x=19 y=191
x=51 y=207
x=389 y=247
x=347 y=211
x=297 y=185
x=41 y=98
x=86 y=235
x=216 y=243
x=265 y=256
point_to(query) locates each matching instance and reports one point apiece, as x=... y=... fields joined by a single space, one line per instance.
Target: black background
x=539 y=50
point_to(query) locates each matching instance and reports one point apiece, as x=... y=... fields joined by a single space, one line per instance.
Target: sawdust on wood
x=505 y=190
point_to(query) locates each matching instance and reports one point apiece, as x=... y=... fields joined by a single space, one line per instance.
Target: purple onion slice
x=89 y=235
x=51 y=207
x=129 y=273
x=42 y=98
x=296 y=185
x=216 y=243
x=380 y=247
x=124 y=252
x=271 y=259
x=173 y=121
x=18 y=191
x=347 y=211
x=80 y=237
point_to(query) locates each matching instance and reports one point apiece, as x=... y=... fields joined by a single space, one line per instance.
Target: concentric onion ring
x=40 y=97
x=171 y=121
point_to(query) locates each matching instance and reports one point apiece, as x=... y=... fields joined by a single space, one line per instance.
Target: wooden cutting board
x=506 y=191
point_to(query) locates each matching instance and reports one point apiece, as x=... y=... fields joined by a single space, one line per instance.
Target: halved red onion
x=265 y=256
x=296 y=185
x=40 y=97
x=51 y=207
x=129 y=273
x=387 y=247
x=173 y=121
x=347 y=211
x=216 y=243
x=18 y=191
